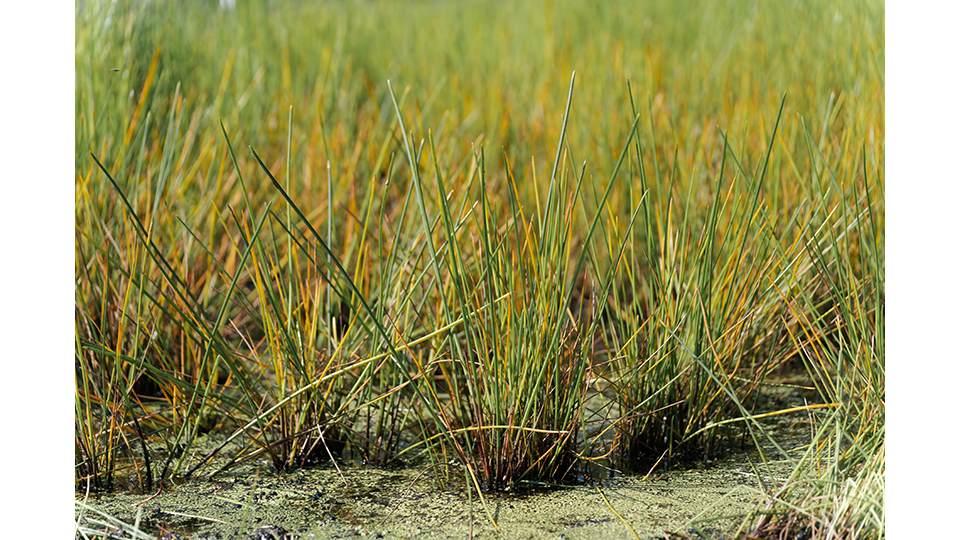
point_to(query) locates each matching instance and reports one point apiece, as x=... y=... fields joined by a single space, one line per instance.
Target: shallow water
x=405 y=503
x=704 y=501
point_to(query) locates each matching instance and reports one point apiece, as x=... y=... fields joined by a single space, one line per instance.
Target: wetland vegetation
x=546 y=268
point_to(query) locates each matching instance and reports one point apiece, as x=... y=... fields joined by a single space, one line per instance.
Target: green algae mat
x=711 y=499
x=324 y=503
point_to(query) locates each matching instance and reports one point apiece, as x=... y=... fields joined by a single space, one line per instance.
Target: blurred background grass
x=479 y=67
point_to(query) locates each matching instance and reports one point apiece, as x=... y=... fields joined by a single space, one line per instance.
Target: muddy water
x=709 y=500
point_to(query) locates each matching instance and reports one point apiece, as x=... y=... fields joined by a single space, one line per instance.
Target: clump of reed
x=695 y=323
x=837 y=487
x=511 y=379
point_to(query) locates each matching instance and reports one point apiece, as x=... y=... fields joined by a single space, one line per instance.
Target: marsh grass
x=282 y=256
x=690 y=322
x=837 y=489
x=511 y=381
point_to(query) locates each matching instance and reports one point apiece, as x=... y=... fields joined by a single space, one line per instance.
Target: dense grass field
x=511 y=243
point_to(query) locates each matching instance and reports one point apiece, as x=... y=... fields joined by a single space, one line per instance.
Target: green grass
x=837 y=490
x=282 y=255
